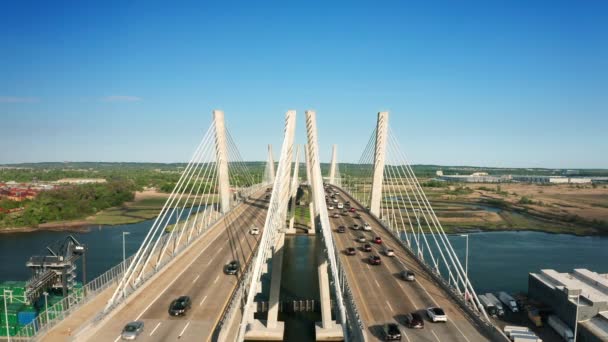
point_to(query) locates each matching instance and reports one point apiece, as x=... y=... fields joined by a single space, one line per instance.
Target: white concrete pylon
x=332 y=166
x=269 y=173
x=221 y=154
x=294 y=192
x=379 y=159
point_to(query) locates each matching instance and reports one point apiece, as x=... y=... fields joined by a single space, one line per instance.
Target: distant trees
x=71 y=202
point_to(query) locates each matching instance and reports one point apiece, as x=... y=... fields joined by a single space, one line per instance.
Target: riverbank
x=145 y=206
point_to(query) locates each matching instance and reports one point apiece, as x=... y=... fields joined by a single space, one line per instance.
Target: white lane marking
x=178 y=276
x=154 y=330
x=437 y=337
x=407 y=338
x=377 y=283
x=461 y=333
x=202 y=301
x=389 y=306
x=195 y=279
x=118 y=338
x=216 y=279
x=186 y=327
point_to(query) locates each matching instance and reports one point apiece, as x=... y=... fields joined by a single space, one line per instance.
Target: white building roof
x=592 y=286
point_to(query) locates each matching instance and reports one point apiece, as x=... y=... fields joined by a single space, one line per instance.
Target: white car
x=331 y=207
x=340 y=205
x=389 y=252
x=335 y=200
x=254 y=231
x=367 y=227
x=436 y=314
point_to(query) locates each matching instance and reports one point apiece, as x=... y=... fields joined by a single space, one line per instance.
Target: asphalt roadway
x=382 y=296
x=200 y=275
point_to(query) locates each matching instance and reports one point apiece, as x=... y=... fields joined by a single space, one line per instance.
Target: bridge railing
x=457 y=297
x=55 y=313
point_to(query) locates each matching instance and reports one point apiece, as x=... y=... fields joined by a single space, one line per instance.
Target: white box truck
x=499 y=309
x=507 y=300
x=488 y=305
x=561 y=328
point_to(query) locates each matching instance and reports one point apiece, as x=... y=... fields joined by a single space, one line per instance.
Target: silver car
x=132 y=330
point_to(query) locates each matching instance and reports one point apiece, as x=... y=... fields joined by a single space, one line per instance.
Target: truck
x=507 y=300
x=499 y=310
x=512 y=328
x=526 y=338
x=561 y=328
x=487 y=305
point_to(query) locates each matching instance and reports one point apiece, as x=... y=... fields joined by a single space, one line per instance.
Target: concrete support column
x=294 y=192
x=325 y=297
x=312 y=228
x=379 y=158
x=332 y=166
x=270 y=174
x=275 y=284
x=221 y=155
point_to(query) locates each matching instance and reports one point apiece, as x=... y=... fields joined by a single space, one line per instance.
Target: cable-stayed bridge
x=209 y=219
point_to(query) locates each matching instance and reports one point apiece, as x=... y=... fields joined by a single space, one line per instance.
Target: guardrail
x=469 y=308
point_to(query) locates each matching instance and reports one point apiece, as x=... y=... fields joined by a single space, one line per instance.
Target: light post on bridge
x=466 y=266
x=124 y=254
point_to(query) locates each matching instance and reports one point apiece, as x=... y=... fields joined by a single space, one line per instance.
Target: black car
x=231 y=267
x=341 y=229
x=367 y=247
x=392 y=332
x=414 y=321
x=179 y=306
x=351 y=251
x=358 y=216
x=374 y=260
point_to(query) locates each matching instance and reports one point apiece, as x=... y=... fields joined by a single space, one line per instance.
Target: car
x=340 y=205
x=391 y=332
x=414 y=320
x=355 y=226
x=335 y=200
x=351 y=251
x=336 y=193
x=344 y=213
x=254 y=231
x=367 y=227
x=330 y=207
x=367 y=247
x=361 y=238
x=374 y=260
x=389 y=252
x=335 y=215
x=352 y=210
x=341 y=229
x=436 y=314
x=378 y=240
x=407 y=275
x=358 y=216
x=180 y=306
x=232 y=267
x=132 y=330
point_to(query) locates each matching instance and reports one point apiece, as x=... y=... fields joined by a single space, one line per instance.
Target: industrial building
x=477 y=177
x=578 y=297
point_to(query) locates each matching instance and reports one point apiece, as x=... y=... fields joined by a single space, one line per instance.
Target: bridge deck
x=382 y=297
x=199 y=274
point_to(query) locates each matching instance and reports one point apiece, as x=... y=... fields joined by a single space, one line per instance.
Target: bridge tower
x=221 y=153
x=332 y=166
x=294 y=192
x=379 y=158
x=269 y=173
x=327 y=329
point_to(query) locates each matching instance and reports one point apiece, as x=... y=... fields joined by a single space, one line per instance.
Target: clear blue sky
x=493 y=83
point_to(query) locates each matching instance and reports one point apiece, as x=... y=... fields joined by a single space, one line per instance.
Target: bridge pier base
x=312 y=229
x=326 y=330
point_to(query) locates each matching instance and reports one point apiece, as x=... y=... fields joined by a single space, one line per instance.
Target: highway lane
x=199 y=275
x=381 y=296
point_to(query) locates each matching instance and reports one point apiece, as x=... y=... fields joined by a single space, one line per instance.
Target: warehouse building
x=580 y=299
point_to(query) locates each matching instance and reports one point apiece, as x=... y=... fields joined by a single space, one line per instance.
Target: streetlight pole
x=578 y=298
x=466 y=264
x=124 y=252
x=8 y=335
